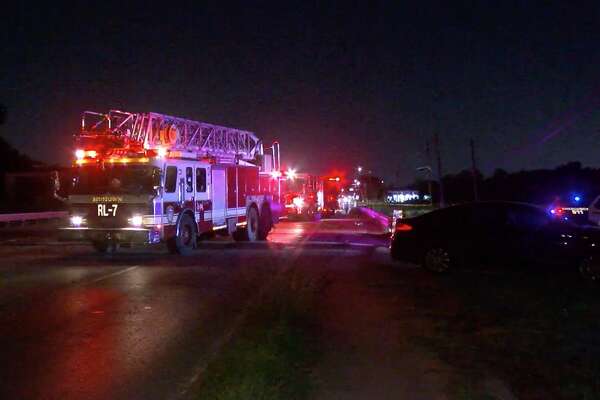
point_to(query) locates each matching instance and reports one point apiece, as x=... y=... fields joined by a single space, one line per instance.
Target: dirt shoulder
x=370 y=316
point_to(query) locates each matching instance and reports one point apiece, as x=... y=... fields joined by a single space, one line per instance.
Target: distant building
x=406 y=197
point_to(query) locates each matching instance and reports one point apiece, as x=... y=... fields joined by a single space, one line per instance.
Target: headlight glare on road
x=136 y=220
x=76 y=220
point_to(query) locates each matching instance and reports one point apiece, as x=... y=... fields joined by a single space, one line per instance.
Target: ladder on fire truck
x=152 y=131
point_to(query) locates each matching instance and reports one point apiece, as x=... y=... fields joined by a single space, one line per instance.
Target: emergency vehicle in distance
x=332 y=188
x=303 y=195
x=151 y=178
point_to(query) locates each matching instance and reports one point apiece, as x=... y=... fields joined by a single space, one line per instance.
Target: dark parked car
x=498 y=233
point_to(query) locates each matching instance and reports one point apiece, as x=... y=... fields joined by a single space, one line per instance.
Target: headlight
x=77 y=220
x=136 y=220
x=298 y=202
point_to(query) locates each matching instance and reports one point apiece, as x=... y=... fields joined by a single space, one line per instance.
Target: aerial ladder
x=121 y=131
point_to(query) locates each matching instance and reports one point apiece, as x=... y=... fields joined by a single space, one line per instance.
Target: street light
x=359 y=169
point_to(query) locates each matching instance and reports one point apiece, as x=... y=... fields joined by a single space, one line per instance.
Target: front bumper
x=117 y=235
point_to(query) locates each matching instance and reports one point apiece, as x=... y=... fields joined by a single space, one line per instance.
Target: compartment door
x=219 y=196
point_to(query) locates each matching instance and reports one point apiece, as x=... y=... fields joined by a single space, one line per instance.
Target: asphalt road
x=141 y=323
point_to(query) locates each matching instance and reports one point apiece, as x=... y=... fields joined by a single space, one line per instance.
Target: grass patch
x=271 y=356
x=539 y=334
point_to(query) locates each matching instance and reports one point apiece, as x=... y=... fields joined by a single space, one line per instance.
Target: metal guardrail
x=6 y=219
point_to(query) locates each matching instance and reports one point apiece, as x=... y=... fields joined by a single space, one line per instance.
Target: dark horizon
x=337 y=85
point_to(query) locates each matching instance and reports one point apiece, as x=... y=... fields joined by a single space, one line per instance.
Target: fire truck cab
x=152 y=178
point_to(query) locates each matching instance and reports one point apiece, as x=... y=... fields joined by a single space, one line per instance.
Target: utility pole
x=474 y=170
x=436 y=142
x=428 y=155
x=2 y=113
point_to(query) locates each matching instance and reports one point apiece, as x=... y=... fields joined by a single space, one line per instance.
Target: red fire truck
x=303 y=195
x=332 y=186
x=151 y=178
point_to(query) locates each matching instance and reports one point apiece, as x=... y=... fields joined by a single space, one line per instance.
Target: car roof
x=473 y=204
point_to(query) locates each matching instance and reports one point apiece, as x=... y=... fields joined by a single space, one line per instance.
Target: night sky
x=338 y=84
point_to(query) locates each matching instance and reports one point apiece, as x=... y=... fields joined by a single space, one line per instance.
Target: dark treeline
x=25 y=184
x=11 y=159
x=541 y=186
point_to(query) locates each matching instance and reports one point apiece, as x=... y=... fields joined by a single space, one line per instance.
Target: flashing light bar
x=80 y=154
x=161 y=152
x=291 y=174
x=125 y=160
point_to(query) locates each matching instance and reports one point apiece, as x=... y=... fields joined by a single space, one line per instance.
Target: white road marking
x=108 y=276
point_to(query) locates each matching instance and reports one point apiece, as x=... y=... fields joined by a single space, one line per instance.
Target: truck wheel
x=185 y=240
x=253 y=226
x=265 y=224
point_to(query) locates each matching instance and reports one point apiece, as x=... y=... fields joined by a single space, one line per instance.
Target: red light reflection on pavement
x=335 y=230
x=291 y=232
x=89 y=366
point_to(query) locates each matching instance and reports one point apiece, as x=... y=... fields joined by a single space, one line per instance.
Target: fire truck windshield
x=296 y=185
x=116 y=179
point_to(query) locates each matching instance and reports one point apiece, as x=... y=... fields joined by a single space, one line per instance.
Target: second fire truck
x=151 y=178
x=303 y=195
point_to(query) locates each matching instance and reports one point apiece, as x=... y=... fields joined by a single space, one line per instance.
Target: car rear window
x=488 y=215
x=451 y=216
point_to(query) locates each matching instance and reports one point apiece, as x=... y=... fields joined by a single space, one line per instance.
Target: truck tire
x=184 y=241
x=265 y=223
x=251 y=231
x=253 y=226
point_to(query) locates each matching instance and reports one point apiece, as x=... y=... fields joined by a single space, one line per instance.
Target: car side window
x=451 y=219
x=488 y=217
x=457 y=216
x=596 y=204
x=171 y=179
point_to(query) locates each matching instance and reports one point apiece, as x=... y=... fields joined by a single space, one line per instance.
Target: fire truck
x=332 y=186
x=154 y=178
x=303 y=195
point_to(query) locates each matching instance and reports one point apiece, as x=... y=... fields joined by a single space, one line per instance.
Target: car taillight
x=403 y=227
